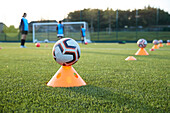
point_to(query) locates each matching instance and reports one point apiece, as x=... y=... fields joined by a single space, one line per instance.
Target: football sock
x=82 y=41
x=22 y=42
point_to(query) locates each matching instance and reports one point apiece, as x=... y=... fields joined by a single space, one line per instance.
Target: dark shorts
x=82 y=35
x=24 y=32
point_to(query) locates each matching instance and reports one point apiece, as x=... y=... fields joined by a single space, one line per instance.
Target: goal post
x=47 y=31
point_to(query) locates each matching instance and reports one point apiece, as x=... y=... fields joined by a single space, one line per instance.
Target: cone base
x=168 y=44
x=155 y=47
x=141 y=51
x=160 y=45
x=130 y=58
x=66 y=76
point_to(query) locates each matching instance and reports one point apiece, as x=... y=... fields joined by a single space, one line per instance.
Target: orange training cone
x=130 y=58
x=160 y=45
x=141 y=51
x=155 y=47
x=168 y=44
x=66 y=76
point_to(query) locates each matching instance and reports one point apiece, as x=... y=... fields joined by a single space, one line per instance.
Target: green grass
x=129 y=36
x=113 y=84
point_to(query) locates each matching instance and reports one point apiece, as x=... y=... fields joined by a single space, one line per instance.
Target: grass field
x=113 y=84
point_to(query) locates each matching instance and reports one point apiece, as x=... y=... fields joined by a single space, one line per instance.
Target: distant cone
x=141 y=51
x=160 y=45
x=130 y=58
x=155 y=47
x=66 y=76
x=168 y=44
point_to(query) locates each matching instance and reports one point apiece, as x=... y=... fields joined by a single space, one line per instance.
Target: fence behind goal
x=47 y=31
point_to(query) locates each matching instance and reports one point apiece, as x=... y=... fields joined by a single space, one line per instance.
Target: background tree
x=147 y=17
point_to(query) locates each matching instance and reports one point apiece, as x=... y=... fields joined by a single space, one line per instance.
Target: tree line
x=101 y=19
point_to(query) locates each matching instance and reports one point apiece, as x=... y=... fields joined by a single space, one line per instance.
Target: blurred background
x=105 y=25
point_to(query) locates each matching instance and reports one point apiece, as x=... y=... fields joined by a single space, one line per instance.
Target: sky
x=11 y=11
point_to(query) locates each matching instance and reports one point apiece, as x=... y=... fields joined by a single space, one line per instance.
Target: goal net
x=43 y=32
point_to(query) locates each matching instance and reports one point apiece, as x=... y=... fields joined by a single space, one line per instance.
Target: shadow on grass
x=114 y=99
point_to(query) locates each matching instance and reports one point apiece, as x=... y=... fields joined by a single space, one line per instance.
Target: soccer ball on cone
x=37 y=44
x=155 y=42
x=142 y=43
x=160 y=41
x=168 y=41
x=66 y=51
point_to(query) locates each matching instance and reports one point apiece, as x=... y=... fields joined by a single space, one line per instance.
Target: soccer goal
x=46 y=32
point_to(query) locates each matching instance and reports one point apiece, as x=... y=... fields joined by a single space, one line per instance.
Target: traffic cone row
x=66 y=76
x=142 y=51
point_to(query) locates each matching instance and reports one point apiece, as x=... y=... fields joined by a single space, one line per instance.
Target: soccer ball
x=160 y=41
x=46 y=41
x=155 y=42
x=142 y=43
x=86 y=43
x=168 y=41
x=37 y=44
x=66 y=51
